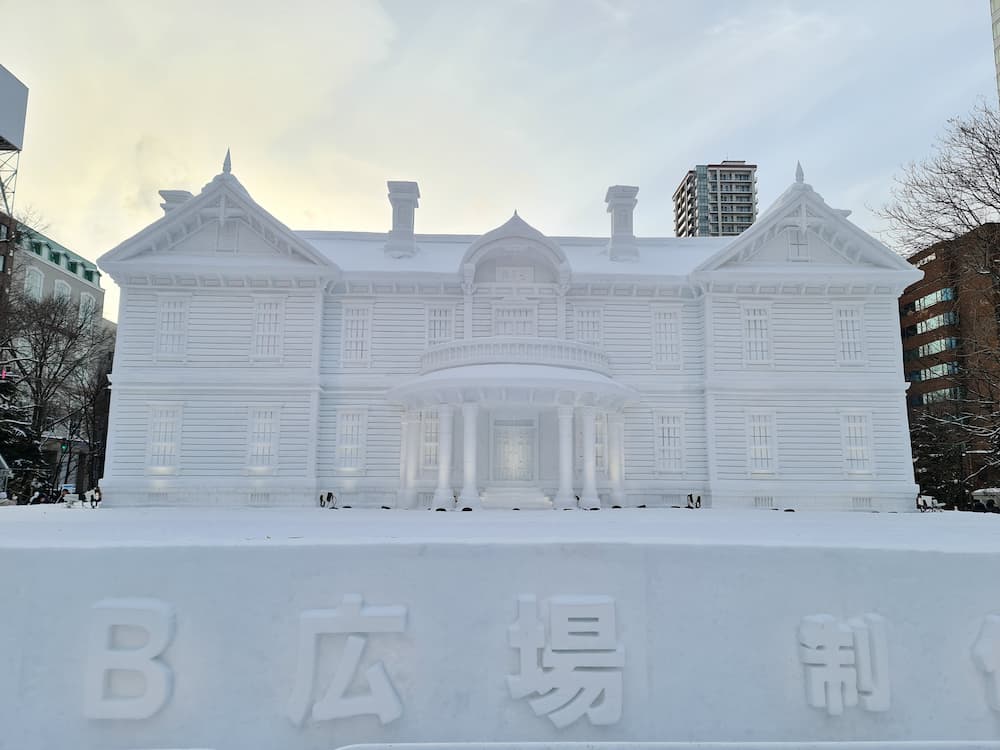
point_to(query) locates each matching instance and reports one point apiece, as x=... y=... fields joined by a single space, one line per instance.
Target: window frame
x=869 y=449
x=579 y=312
x=772 y=443
x=34 y=273
x=745 y=307
x=660 y=361
x=259 y=300
x=429 y=310
x=176 y=412
x=254 y=465
x=660 y=463
x=369 y=310
x=531 y=307
x=859 y=309
x=159 y=354
x=360 y=466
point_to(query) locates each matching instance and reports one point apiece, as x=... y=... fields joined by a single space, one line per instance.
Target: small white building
x=259 y=365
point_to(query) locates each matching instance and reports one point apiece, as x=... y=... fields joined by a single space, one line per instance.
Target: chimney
x=172 y=199
x=404 y=197
x=621 y=203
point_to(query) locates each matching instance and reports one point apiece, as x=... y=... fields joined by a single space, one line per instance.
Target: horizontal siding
x=220 y=328
x=214 y=434
x=809 y=436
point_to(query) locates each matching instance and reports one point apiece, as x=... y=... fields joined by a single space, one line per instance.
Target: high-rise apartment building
x=716 y=200
x=995 y=7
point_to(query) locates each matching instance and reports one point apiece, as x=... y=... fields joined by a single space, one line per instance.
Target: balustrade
x=514 y=350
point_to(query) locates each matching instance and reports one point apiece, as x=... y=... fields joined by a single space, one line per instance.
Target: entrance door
x=514 y=450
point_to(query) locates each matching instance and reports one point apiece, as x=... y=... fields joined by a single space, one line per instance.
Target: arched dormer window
x=33 y=283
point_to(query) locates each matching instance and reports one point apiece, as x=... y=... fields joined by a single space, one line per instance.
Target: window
x=931 y=324
x=357 y=334
x=946 y=294
x=62 y=291
x=931 y=347
x=351 y=425
x=761 y=457
x=267 y=328
x=88 y=307
x=164 y=436
x=798 y=244
x=440 y=325
x=429 y=440
x=55 y=256
x=589 y=325
x=850 y=334
x=171 y=329
x=261 y=441
x=756 y=334
x=941 y=370
x=511 y=320
x=668 y=436
x=666 y=337
x=944 y=394
x=33 y=283
x=857 y=443
x=88 y=275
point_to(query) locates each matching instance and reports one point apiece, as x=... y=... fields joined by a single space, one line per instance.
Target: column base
x=590 y=502
x=443 y=501
x=564 y=502
x=469 y=501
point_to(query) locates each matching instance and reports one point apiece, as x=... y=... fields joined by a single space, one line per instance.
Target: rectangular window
x=946 y=319
x=164 y=436
x=262 y=442
x=761 y=456
x=351 y=440
x=171 y=330
x=429 y=440
x=357 y=334
x=514 y=321
x=267 y=328
x=440 y=325
x=666 y=337
x=857 y=443
x=589 y=325
x=850 y=334
x=668 y=436
x=756 y=334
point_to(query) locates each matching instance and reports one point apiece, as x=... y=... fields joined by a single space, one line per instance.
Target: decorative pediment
x=801 y=229
x=513 y=248
x=220 y=225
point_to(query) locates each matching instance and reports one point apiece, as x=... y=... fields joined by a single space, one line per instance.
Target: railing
x=510 y=350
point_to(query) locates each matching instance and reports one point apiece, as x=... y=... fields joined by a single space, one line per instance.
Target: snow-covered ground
x=694 y=624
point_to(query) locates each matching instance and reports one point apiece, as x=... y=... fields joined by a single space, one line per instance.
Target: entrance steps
x=508 y=498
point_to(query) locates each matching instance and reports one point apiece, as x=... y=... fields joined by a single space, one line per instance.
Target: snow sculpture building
x=258 y=365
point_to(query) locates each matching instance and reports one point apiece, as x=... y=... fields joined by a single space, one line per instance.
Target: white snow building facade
x=256 y=365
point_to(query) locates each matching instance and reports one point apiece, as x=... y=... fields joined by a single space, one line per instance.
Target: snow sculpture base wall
x=272 y=629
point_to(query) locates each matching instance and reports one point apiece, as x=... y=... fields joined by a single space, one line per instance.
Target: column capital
x=566 y=412
x=588 y=411
x=446 y=410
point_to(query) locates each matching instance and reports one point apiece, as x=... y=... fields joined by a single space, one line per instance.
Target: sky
x=534 y=105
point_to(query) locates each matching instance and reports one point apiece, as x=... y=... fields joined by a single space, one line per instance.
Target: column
x=410 y=459
x=588 y=498
x=470 y=486
x=616 y=457
x=564 y=498
x=443 y=497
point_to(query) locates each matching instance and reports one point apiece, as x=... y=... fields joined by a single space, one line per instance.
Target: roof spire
x=799 y=174
x=227 y=163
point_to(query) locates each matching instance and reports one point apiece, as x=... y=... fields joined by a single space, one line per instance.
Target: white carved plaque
x=125 y=678
x=355 y=621
x=579 y=672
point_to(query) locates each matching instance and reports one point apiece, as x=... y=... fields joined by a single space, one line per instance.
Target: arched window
x=33 y=283
x=88 y=306
x=62 y=290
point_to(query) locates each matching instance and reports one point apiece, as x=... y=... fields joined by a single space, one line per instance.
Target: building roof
x=31 y=236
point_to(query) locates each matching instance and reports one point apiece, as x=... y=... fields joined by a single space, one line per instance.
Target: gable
x=800 y=231
x=220 y=224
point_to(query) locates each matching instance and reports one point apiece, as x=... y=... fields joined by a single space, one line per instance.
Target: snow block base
x=300 y=629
